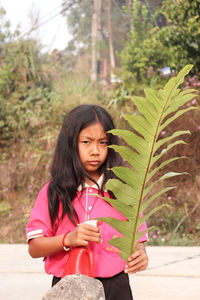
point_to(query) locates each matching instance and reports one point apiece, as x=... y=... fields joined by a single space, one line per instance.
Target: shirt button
x=90 y=207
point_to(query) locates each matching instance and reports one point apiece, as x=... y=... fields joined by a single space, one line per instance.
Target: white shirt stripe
x=34 y=233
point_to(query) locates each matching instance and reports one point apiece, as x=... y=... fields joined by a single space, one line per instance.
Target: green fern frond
x=133 y=188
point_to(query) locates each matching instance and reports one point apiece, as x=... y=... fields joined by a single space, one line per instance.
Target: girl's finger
x=138 y=261
x=87 y=229
x=88 y=236
x=92 y=238
x=136 y=268
x=134 y=262
x=135 y=255
x=88 y=232
x=90 y=227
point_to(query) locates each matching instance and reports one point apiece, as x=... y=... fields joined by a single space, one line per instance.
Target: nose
x=95 y=149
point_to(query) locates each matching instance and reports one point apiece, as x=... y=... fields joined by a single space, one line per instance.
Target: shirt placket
x=88 y=206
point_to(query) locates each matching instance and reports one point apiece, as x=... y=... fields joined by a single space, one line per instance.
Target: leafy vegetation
x=174 y=42
x=79 y=20
x=134 y=193
x=37 y=89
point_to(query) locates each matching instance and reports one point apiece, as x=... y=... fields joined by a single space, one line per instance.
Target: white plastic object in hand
x=95 y=223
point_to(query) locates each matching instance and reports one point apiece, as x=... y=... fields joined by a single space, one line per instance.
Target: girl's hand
x=138 y=261
x=82 y=235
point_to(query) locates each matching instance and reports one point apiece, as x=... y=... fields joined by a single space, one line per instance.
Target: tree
x=79 y=19
x=24 y=86
x=169 y=36
x=137 y=55
x=110 y=40
x=95 y=38
x=182 y=34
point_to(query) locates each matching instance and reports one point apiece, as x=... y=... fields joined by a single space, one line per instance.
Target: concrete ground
x=173 y=274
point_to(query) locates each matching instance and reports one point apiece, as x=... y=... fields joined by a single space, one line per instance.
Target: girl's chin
x=92 y=167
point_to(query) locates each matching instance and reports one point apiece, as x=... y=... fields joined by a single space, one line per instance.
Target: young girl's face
x=92 y=147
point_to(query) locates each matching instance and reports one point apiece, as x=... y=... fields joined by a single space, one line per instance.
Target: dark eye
x=103 y=143
x=85 y=142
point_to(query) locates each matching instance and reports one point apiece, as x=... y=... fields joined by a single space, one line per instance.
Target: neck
x=94 y=177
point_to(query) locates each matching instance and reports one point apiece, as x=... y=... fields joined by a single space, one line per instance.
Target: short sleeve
x=144 y=237
x=143 y=227
x=39 y=223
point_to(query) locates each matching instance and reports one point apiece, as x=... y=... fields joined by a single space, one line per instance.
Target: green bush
x=23 y=112
x=173 y=44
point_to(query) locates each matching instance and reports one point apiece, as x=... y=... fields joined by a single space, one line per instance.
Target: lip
x=94 y=162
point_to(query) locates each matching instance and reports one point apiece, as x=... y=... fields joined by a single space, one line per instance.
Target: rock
x=76 y=287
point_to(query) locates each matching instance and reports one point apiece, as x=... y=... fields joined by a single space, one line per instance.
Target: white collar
x=99 y=182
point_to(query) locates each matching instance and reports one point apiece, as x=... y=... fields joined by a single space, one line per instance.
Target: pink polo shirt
x=107 y=260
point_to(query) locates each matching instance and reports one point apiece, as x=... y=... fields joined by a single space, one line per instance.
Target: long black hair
x=67 y=172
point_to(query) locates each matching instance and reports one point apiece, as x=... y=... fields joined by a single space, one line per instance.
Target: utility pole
x=94 y=42
x=110 y=41
x=95 y=33
x=99 y=67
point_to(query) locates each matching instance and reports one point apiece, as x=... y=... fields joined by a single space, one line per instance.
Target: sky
x=53 y=34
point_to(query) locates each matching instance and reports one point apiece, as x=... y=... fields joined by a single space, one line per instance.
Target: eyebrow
x=89 y=138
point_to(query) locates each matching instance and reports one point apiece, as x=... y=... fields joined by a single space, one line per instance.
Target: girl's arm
x=45 y=246
x=138 y=261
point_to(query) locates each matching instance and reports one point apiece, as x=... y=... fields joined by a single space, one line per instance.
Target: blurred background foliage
x=149 y=42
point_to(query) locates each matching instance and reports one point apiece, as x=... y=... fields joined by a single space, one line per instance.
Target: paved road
x=173 y=274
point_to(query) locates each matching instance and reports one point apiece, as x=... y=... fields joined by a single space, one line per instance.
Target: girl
x=81 y=166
